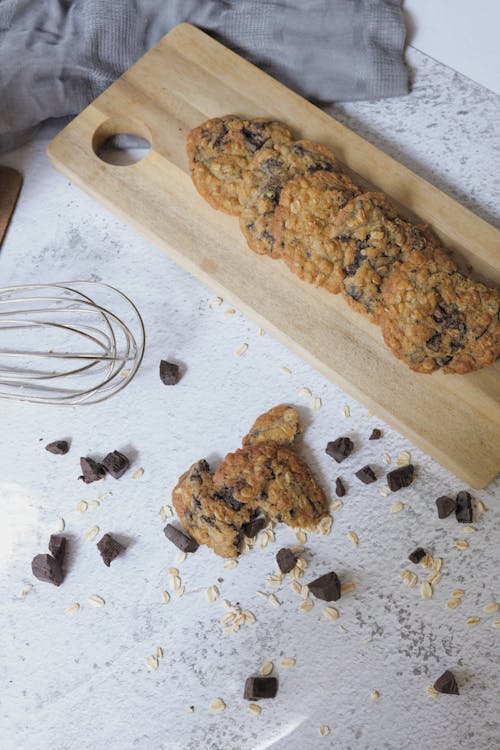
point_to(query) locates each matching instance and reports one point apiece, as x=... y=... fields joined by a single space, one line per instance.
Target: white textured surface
x=80 y=681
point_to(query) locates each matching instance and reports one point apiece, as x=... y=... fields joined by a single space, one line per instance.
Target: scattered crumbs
x=461 y=544
x=91 y=533
x=190 y=709
x=26 y=589
x=180 y=557
x=165 y=597
x=230 y=564
x=262 y=332
x=217 y=705
x=285 y=370
x=138 y=473
x=272 y=599
x=349 y=586
x=385 y=490
x=324 y=730
x=82 y=506
x=331 y=613
x=301 y=537
x=426 y=590
x=386 y=458
x=73 y=608
x=61 y=524
x=431 y=691
x=288 y=662
x=229 y=311
x=215 y=301
x=96 y=600
x=472 y=621
x=491 y=607
x=254 y=708
x=152 y=662
x=481 y=507
x=159 y=652
x=375 y=695
x=266 y=668
x=212 y=593
x=397 y=507
x=353 y=538
x=316 y=403
x=304 y=392
x=346 y=411
x=241 y=350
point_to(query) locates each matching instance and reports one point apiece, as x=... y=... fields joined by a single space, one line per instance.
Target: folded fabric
x=56 y=56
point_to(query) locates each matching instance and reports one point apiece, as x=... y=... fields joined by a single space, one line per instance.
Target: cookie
x=219 y=151
x=373 y=238
x=303 y=223
x=278 y=425
x=260 y=188
x=435 y=317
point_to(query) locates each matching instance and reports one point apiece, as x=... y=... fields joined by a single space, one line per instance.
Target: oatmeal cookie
x=374 y=238
x=278 y=425
x=435 y=317
x=303 y=226
x=260 y=188
x=219 y=151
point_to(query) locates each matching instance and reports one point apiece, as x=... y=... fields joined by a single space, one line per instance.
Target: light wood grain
x=10 y=186
x=189 y=77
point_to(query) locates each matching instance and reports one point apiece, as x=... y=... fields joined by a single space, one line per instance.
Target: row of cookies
x=295 y=202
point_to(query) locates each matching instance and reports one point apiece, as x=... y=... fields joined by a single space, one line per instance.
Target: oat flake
x=491 y=607
x=217 y=705
x=346 y=411
x=241 y=350
x=453 y=603
x=73 y=608
x=472 y=621
x=301 y=537
x=229 y=564
x=306 y=605
x=165 y=597
x=152 y=662
x=82 y=506
x=304 y=392
x=336 y=506
x=254 y=708
x=61 y=524
x=285 y=370
x=316 y=403
x=331 y=613
x=96 y=600
x=26 y=589
x=324 y=730
x=462 y=544
x=91 y=533
x=138 y=473
x=397 y=507
x=288 y=662
x=266 y=668
x=353 y=538
x=426 y=590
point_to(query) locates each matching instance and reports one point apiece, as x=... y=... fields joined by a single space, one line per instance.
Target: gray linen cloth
x=56 y=56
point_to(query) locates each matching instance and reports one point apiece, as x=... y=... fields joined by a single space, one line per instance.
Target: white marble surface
x=80 y=681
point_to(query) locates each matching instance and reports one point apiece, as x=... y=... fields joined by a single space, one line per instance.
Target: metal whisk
x=68 y=343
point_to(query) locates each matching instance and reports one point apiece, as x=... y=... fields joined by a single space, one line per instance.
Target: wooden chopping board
x=188 y=77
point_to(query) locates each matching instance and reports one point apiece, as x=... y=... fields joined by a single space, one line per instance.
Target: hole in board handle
x=121 y=141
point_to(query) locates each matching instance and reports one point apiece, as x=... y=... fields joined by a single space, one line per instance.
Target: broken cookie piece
x=278 y=425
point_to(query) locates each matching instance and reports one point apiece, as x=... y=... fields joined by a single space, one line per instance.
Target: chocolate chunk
x=252 y=528
x=47 y=568
x=257 y=688
x=447 y=684
x=401 y=477
x=57 y=547
x=417 y=555
x=58 y=447
x=180 y=539
x=376 y=434
x=366 y=475
x=169 y=373
x=326 y=587
x=116 y=464
x=286 y=560
x=109 y=548
x=463 y=510
x=339 y=487
x=340 y=449
x=445 y=506
x=91 y=470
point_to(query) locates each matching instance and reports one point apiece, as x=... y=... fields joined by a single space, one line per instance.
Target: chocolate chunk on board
x=445 y=506
x=169 y=373
x=366 y=475
x=116 y=464
x=91 y=470
x=286 y=560
x=181 y=540
x=463 y=509
x=339 y=449
x=58 y=447
x=417 y=555
x=57 y=547
x=109 y=548
x=401 y=477
x=376 y=434
x=257 y=688
x=252 y=528
x=339 y=487
x=326 y=587
x=447 y=684
x=47 y=568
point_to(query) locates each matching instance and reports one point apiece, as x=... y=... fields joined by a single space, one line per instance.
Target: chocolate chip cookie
x=374 y=238
x=435 y=317
x=269 y=170
x=303 y=223
x=219 y=151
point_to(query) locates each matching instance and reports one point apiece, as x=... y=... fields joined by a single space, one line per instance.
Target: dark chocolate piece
x=286 y=560
x=366 y=475
x=447 y=684
x=47 y=568
x=169 y=373
x=339 y=487
x=326 y=587
x=376 y=434
x=116 y=464
x=58 y=447
x=57 y=547
x=257 y=688
x=91 y=470
x=417 y=555
x=109 y=548
x=401 y=477
x=180 y=539
x=340 y=449
x=252 y=528
x=445 y=506
x=463 y=509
